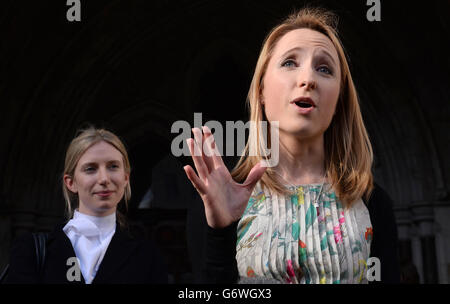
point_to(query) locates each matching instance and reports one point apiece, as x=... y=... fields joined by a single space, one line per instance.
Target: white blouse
x=90 y=237
x=306 y=237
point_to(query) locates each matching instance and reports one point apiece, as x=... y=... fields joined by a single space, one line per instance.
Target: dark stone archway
x=136 y=67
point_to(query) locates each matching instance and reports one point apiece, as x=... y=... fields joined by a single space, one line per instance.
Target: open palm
x=224 y=199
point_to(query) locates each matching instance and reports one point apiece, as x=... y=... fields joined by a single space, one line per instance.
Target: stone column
x=423 y=217
x=410 y=253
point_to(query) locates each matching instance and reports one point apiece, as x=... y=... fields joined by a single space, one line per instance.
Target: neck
x=102 y=222
x=82 y=208
x=302 y=161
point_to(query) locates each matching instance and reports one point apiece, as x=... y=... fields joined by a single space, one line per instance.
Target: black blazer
x=126 y=261
x=216 y=261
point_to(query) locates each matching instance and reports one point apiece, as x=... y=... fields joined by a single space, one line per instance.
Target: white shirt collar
x=90 y=237
x=105 y=224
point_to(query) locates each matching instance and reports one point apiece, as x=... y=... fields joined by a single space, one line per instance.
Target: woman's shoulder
x=147 y=245
x=143 y=244
x=148 y=255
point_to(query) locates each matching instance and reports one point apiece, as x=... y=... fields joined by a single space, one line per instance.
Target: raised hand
x=224 y=199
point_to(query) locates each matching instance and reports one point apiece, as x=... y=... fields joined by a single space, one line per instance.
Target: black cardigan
x=220 y=265
x=126 y=261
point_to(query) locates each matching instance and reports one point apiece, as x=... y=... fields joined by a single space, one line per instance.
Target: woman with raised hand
x=93 y=245
x=315 y=217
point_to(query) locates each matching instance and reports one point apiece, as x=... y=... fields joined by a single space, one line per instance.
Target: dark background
x=135 y=67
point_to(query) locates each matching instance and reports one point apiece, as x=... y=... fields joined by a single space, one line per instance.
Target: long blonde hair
x=86 y=139
x=348 y=151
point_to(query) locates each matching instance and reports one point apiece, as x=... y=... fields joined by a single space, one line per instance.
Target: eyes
x=89 y=169
x=291 y=63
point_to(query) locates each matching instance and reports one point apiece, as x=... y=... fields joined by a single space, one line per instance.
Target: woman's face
x=99 y=180
x=301 y=84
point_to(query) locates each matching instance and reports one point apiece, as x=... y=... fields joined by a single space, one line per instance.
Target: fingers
x=195 y=180
x=254 y=176
x=207 y=149
x=212 y=148
x=197 y=158
x=198 y=141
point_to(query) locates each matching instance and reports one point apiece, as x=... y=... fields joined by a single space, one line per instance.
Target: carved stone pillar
x=423 y=217
x=410 y=252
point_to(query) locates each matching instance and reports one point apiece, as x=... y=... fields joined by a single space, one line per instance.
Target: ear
x=70 y=184
x=127 y=178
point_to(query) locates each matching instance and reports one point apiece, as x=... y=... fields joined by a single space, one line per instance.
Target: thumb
x=254 y=176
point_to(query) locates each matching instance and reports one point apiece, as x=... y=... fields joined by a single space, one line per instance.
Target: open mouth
x=303 y=104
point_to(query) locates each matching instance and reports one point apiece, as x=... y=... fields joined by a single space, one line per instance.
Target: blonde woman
x=96 y=180
x=316 y=216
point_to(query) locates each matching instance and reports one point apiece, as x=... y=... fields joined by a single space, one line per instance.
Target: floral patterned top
x=303 y=238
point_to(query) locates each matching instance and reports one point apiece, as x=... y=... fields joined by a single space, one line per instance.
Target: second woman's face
x=301 y=84
x=99 y=180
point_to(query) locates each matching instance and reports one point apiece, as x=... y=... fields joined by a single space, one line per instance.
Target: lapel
x=117 y=254
x=59 y=250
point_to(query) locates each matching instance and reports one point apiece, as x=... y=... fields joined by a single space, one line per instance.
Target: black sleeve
x=22 y=262
x=385 y=239
x=220 y=266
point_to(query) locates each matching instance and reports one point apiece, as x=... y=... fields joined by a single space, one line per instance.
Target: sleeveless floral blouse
x=303 y=238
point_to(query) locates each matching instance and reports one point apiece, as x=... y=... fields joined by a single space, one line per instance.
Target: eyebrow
x=323 y=51
x=96 y=164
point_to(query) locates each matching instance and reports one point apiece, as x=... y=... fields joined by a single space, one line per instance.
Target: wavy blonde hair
x=86 y=139
x=348 y=151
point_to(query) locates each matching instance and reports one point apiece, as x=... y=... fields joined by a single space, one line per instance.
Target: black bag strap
x=40 y=240
x=4 y=273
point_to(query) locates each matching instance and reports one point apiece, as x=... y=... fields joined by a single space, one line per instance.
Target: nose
x=308 y=84
x=306 y=80
x=103 y=176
